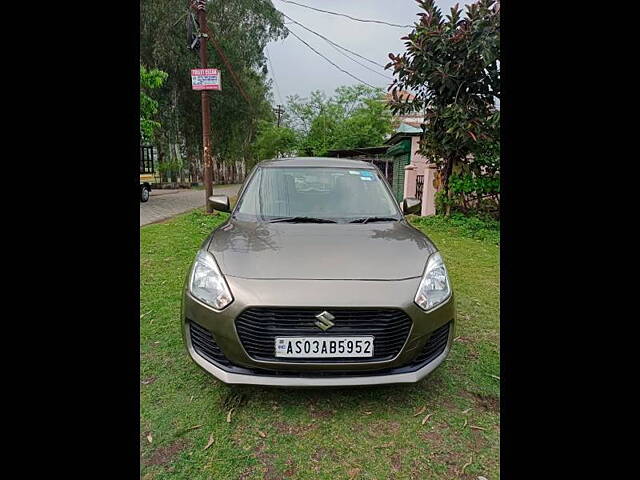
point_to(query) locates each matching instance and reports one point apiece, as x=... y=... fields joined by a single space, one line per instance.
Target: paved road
x=165 y=204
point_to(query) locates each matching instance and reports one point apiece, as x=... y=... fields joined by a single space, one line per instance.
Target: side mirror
x=220 y=203
x=411 y=205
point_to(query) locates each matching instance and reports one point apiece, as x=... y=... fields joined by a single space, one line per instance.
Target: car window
x=338 y=194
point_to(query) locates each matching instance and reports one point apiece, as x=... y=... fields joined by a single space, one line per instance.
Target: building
x=409 y=173
x=413 y=175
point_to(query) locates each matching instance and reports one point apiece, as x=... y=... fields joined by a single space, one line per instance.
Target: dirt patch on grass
x=417 y=471
x=432 y=437
x=247 y=473
x=319 y=413
x=164 y=455
x=291 y=468
x=321 y=453
x=438 y=442
x=392 y=427
x=487 y=403
x=266 y=460
x=448 y=403
x=396 y=462
x=478 y=442
x=284 y=428
x=383 y=428
x=450 y=461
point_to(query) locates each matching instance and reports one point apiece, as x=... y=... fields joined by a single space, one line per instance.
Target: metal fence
x=146 y=159
x=419 y=186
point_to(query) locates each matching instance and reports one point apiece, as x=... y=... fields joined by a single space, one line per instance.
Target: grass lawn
x=360 y=433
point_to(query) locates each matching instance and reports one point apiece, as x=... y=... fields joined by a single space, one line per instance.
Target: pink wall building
x=420 y=168
x=413 y=174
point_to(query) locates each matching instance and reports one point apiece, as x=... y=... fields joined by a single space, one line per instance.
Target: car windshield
x=316 y=193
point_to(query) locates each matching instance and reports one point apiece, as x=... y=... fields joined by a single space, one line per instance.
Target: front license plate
x=324 y=347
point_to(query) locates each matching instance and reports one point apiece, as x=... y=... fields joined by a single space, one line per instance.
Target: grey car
x=317 y=279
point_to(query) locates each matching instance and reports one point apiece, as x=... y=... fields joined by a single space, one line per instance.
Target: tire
x=144 y=194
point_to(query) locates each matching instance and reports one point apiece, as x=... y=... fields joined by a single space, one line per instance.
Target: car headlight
x=207 y=283
x=434 y=287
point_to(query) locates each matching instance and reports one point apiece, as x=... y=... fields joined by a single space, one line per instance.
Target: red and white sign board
x=205 y=79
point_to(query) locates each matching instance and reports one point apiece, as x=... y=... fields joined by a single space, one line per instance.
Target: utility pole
x=279 y=111
x=206 y=115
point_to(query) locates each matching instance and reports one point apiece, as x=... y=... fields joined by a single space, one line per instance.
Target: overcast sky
x=298 y=70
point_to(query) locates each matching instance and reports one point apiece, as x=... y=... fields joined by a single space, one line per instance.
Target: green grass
x=360 y=433
x=458 y=224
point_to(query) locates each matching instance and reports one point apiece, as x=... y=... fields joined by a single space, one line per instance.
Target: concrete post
x=410 y=175
x=429 y=191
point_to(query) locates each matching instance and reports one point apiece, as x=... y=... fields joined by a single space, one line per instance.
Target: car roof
x=315 y=162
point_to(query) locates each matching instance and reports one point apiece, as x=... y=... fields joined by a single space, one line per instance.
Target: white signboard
x=205 y=79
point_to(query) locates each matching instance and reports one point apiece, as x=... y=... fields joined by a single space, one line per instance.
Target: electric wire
x=334 y=45
x=328 y=60
x=348 y=16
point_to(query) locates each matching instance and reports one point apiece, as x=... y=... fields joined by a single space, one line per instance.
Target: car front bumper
x=321 y=294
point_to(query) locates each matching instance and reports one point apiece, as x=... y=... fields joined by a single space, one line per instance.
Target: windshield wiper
x=373 y=219
x=301 y=220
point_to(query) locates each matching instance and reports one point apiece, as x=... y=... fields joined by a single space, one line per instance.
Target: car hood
x=371 y=251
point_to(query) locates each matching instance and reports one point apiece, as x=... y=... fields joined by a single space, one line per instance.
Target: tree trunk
x=176 y=153
x=447 y=174
x=160 y=162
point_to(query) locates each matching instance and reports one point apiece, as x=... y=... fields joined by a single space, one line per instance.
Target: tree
x=356 y=116
x=149 y=80
x=273 y=141
x=452 y=66
x=242 y=28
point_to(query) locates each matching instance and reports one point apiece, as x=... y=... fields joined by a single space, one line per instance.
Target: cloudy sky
x=298 y=70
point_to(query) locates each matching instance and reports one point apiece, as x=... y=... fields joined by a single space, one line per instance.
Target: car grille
x=258 y=327
x=434 y=347
x=204 y=343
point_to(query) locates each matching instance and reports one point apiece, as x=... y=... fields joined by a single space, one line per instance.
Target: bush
x=475 y=186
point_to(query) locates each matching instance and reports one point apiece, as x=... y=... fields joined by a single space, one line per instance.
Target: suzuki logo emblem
x=324 y=320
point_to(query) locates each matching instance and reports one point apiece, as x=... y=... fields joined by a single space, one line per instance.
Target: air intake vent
x=204 y=343
x=434 y=346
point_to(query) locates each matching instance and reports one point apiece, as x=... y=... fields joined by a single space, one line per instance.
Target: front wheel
x=144 y=193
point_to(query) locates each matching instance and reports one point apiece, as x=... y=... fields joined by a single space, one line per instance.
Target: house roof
x=404 y=130
x=416 y=124
x=409 y=127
